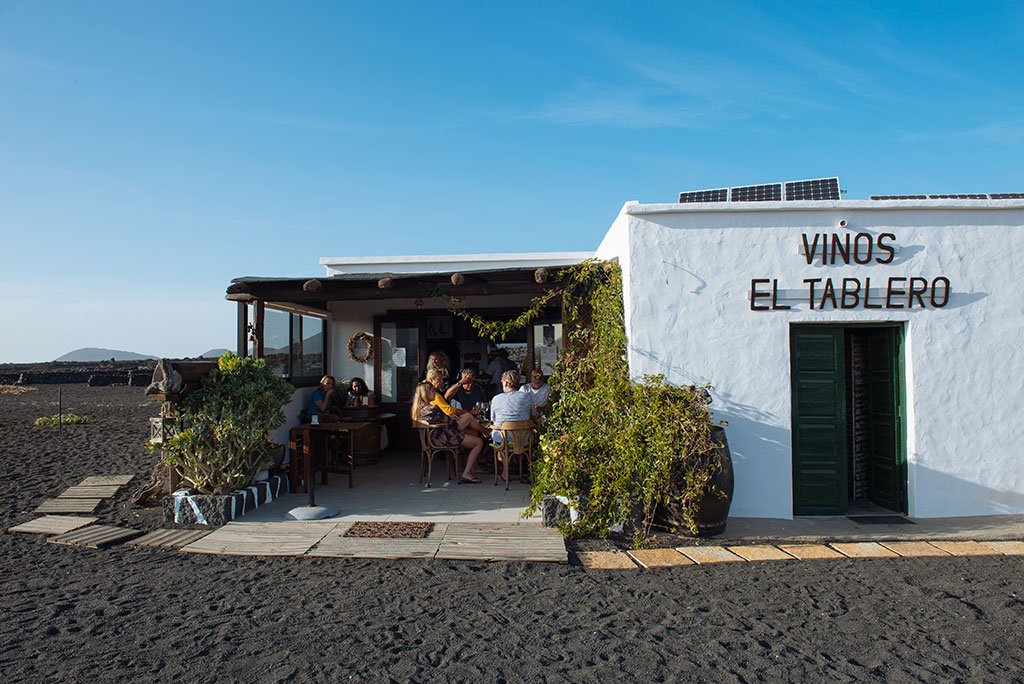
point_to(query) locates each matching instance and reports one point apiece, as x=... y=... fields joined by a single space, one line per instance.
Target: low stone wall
x=218 y=509
x=95 y=374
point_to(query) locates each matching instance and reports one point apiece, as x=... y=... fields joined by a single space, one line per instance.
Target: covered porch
x=380 y=318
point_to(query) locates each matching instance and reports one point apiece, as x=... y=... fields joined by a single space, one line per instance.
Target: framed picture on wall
x=439 y=327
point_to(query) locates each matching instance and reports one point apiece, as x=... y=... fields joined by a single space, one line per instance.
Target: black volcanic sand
x=142 y=614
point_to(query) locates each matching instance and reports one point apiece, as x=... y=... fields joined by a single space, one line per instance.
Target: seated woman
x=448 y=435
x=466 y=419
x=359 y=394
x=322 y=399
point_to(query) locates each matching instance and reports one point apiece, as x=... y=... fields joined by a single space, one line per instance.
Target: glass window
x=399 y=361
x=293 y=344
x=276 y=340
x=308 y=354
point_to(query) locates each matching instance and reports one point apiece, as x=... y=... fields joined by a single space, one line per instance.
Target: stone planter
x=216 y=509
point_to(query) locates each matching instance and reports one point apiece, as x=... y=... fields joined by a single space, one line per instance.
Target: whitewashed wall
x=687 y=272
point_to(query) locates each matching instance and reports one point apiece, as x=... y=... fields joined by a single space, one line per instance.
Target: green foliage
x=221 y=441
x=62 y=419
x=617 y=448
x=578 y=278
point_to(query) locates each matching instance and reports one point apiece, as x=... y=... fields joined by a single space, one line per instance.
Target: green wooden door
x=886 y=464
x=817 y=359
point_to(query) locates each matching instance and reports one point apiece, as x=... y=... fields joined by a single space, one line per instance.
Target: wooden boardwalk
x=169 y=539
x=95 y=536
x=53 y=524
x=261 y=539
x=450 y=541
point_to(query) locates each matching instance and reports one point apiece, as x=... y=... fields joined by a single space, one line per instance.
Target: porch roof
x=316 y=292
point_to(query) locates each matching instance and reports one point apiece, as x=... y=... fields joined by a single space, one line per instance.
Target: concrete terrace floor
x=390 y=490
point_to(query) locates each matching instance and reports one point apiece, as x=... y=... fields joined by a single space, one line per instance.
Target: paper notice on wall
x=398 y=357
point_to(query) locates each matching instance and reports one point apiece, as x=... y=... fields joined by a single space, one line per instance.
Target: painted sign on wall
x=897 y=292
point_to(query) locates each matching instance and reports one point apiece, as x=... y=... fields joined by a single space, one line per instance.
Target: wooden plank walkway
x=169 y=539
x=337 y=545
x=118 y=480
x=261 y=539
x=95 y=536
x=89 y=492
x=496 y=541
x=68 y=506
x=52 y=524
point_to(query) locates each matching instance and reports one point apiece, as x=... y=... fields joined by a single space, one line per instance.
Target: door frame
x=899 y=329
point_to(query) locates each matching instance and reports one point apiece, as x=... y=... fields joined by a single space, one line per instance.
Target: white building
x=859 y=350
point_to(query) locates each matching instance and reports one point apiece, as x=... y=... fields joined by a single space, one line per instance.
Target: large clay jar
x=713 y=510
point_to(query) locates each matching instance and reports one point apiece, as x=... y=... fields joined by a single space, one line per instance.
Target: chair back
x=516 y=436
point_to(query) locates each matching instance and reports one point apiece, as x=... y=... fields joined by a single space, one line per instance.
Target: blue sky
x=153 y=151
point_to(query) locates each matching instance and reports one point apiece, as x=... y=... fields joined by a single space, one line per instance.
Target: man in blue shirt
x=466 y=391
x=510 y=404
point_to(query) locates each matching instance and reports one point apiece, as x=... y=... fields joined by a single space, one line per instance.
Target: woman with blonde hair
x=449 y=434
x=438 y=361
x=320 y=401
x=467 y=420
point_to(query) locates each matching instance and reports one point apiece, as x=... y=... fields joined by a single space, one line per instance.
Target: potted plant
x=221 y=439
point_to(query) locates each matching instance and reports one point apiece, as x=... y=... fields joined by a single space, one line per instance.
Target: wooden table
x=309 y=442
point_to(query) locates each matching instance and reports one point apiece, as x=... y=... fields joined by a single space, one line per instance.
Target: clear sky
x=152 y=151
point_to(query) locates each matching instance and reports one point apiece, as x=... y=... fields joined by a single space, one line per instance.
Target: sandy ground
x=125 y=614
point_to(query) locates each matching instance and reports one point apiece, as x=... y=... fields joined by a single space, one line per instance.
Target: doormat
x=880 y=520
x=390 y=530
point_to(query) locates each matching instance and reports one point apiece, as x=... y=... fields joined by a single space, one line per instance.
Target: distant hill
x=214 y=353
x=96 y=354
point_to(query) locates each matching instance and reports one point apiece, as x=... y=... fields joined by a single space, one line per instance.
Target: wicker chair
x=517 y=440
x=428 y=450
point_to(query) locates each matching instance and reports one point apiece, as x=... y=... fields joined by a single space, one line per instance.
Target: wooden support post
x=260 y=311
x=242 y=342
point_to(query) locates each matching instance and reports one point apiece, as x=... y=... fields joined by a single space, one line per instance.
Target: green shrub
x=221 y=441
x=613 y=446
x=62 y=419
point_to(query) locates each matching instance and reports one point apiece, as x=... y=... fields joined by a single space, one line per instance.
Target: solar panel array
x=756 y=193
x=962 y=195
x=719 y=195
x=816 y=189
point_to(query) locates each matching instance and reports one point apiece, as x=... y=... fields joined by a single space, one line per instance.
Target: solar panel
x=816 y=189
x=719 y=195
x=1006 y=195
x=973 y=195
x=757 y=193
x=898 y=197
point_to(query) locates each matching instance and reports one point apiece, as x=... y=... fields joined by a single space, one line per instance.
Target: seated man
x=466 y=419
x=510 y=404
x=466 y=391
x=538 y=389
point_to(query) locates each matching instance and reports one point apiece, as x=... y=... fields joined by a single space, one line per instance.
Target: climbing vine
x=580 y=277
x=616 y=448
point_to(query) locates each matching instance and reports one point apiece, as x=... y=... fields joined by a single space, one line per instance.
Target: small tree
x=222 y=428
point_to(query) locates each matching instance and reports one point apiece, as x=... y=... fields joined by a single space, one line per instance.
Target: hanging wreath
x=356 y=339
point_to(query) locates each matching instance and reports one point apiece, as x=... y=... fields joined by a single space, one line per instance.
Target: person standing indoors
x=498 y=365
x=538 y=389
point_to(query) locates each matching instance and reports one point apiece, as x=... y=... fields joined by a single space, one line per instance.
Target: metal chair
x=517 y=440
x=428 y=450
